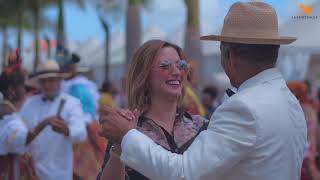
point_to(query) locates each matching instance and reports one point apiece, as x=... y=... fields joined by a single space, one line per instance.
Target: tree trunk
x=4 y=45
x=133 y=28
x=106 y=29
x=192 y=44
x=107 y=63
x=61 y=51
x=60 y=28
x=48 y=47
x=36 y=37
x=20 y=21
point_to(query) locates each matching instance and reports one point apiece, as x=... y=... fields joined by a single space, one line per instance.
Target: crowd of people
x=49 y=126
x=49 y=119
x=48 y=123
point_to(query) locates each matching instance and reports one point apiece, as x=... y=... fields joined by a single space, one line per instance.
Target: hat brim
x=34 y=80
x=247 y=40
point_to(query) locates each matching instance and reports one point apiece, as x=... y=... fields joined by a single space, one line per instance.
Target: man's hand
x=59 y=125
x=32 y=133
x=116 y=122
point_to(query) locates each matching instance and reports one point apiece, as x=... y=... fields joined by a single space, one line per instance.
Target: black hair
x=106 y=86
x=10 y=80
x=254 y=53
x=211 y=90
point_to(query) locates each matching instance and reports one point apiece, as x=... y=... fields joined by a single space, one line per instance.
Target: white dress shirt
x=13 y=134
x=52 y=152
x=259 y=133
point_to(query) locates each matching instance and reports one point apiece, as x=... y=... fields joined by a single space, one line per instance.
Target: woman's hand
x=117 y=122
x=129 y=115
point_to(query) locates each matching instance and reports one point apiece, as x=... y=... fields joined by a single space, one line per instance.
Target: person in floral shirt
x=155 y=86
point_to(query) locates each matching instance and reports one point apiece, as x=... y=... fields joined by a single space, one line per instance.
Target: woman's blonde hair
x=137 y=85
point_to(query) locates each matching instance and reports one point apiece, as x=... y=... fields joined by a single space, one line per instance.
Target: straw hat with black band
x=46 y=69
x=251 y=23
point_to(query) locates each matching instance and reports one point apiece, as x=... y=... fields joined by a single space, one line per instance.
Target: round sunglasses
x=167 y=64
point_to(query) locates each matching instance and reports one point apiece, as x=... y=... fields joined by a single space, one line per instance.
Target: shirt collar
x=264 y=76
x=49 y=99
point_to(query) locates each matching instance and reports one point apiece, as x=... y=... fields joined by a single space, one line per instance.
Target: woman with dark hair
x=14 y=136
x=155 y=85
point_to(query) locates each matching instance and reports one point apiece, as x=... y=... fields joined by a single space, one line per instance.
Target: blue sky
x=82 y=24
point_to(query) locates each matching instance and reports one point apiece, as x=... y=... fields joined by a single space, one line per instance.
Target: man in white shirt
x=52 y=150
x=259 y=133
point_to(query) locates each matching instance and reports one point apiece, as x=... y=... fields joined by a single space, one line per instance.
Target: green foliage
x=11 y=11
x=139 y=2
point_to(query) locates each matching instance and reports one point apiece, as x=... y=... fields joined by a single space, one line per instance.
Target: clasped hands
x=116 y=122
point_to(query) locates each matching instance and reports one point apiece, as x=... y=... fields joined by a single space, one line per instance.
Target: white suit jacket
x=259 y=133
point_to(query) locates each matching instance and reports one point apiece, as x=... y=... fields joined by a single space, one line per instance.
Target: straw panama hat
x=251 y=23
x=46 y=69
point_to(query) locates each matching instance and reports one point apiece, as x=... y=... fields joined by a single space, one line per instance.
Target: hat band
x=45 y=72
x=250 y=33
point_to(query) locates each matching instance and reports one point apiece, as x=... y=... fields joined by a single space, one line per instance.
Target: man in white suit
x=259 y=133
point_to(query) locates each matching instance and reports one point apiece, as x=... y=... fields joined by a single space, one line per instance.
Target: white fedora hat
x=251 y=23
x=46 y=69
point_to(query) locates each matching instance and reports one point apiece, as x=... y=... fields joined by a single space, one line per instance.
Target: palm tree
x=60 y=24
x=4 y=43
x=133 y=27
x=106 y=29
x=61 y=36
x=23 y=20
x=108 y=9
x=35 y=8
x=192 y=44
x=19 y=7
x=24 y=15
x=6 y=21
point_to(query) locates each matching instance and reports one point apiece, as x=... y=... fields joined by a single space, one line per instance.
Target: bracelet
x=114 y=154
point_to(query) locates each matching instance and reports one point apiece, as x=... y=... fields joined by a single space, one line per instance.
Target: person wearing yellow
x=107 y=92
x=191 y=101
